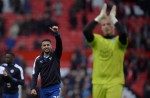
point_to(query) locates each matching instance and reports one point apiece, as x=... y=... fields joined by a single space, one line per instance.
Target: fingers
x=5 y=73
x=113 y=11
x=112 y=15
x=33 y=92
x=54 y=28
x=104 y=8
x=102 y=13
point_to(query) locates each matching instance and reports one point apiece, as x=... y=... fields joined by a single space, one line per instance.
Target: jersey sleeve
x=58 y=49
x=122 y=33
x=123 y=46
x=95 y=40
x=20 y=79
x=36 y=71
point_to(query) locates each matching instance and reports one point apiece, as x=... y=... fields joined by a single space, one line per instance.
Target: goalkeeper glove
x=112 y=15
x=102 y=13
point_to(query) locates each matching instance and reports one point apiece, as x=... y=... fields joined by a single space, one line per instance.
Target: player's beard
x=47 y=50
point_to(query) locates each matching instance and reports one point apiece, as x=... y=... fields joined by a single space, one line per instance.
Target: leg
x=55 y=94
x=99 y=91
x=5 y=96
x=114 y=91
x=15 y=95
x=42 y=94
x=51 y=91
x=10 y=95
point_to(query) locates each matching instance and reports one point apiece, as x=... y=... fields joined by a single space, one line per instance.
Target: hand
x=5 y=73
x=112 y=15
x=102 y=13
x=54 y=28
x=33 y=92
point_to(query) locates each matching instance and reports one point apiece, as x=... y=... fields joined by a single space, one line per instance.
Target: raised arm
x=90 y=27
x=58 y=49
x=122 y=33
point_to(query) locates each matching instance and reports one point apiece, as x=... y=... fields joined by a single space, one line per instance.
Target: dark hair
x=12 y=54
x=46 y=40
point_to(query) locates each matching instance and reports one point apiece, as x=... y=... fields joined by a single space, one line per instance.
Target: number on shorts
x=56 y=96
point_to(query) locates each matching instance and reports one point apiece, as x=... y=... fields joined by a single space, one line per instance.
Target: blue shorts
x=50 y=92
x=6 y=95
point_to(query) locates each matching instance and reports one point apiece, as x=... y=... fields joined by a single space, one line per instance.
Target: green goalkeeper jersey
x=108 y=60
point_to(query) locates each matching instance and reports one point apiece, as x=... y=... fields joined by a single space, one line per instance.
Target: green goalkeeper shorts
x=107 y=91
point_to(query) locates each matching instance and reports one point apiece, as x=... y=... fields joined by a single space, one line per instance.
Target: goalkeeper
x=108 y=51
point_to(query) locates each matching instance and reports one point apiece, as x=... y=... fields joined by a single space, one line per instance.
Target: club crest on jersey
x=50 y=58
x=112 y=40
x=41 y=61
x=12 y=71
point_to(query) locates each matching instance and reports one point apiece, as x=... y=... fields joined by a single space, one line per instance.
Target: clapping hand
x=112 y=15
x=102 y=13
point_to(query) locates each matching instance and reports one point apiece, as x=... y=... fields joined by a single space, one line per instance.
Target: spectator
x=73 y=19
x=37 y=44
x=48 y=11
x=83 y=5
x=1 y=6
x=76 y=59
x=48 y=7
x=86 y=91
x=21 y=46
x=26 y=7
x=2 y=26
x=84 y=61
x=147 y=89
x=84 y=19
x=147 y=45
x=20 y=61
x=48 y=3
x=77 y=5
x=48 y=22
x=40 y=25
x=58 y=8
x=16 y=6
x=144 y=4
x=14 y=30
x=10 y=43
x=142 y=63
x=29 y=25
x=90 y=5
x=120 y=11
x=138 y=39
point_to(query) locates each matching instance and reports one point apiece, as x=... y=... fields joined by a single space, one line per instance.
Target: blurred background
x=24 y=23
